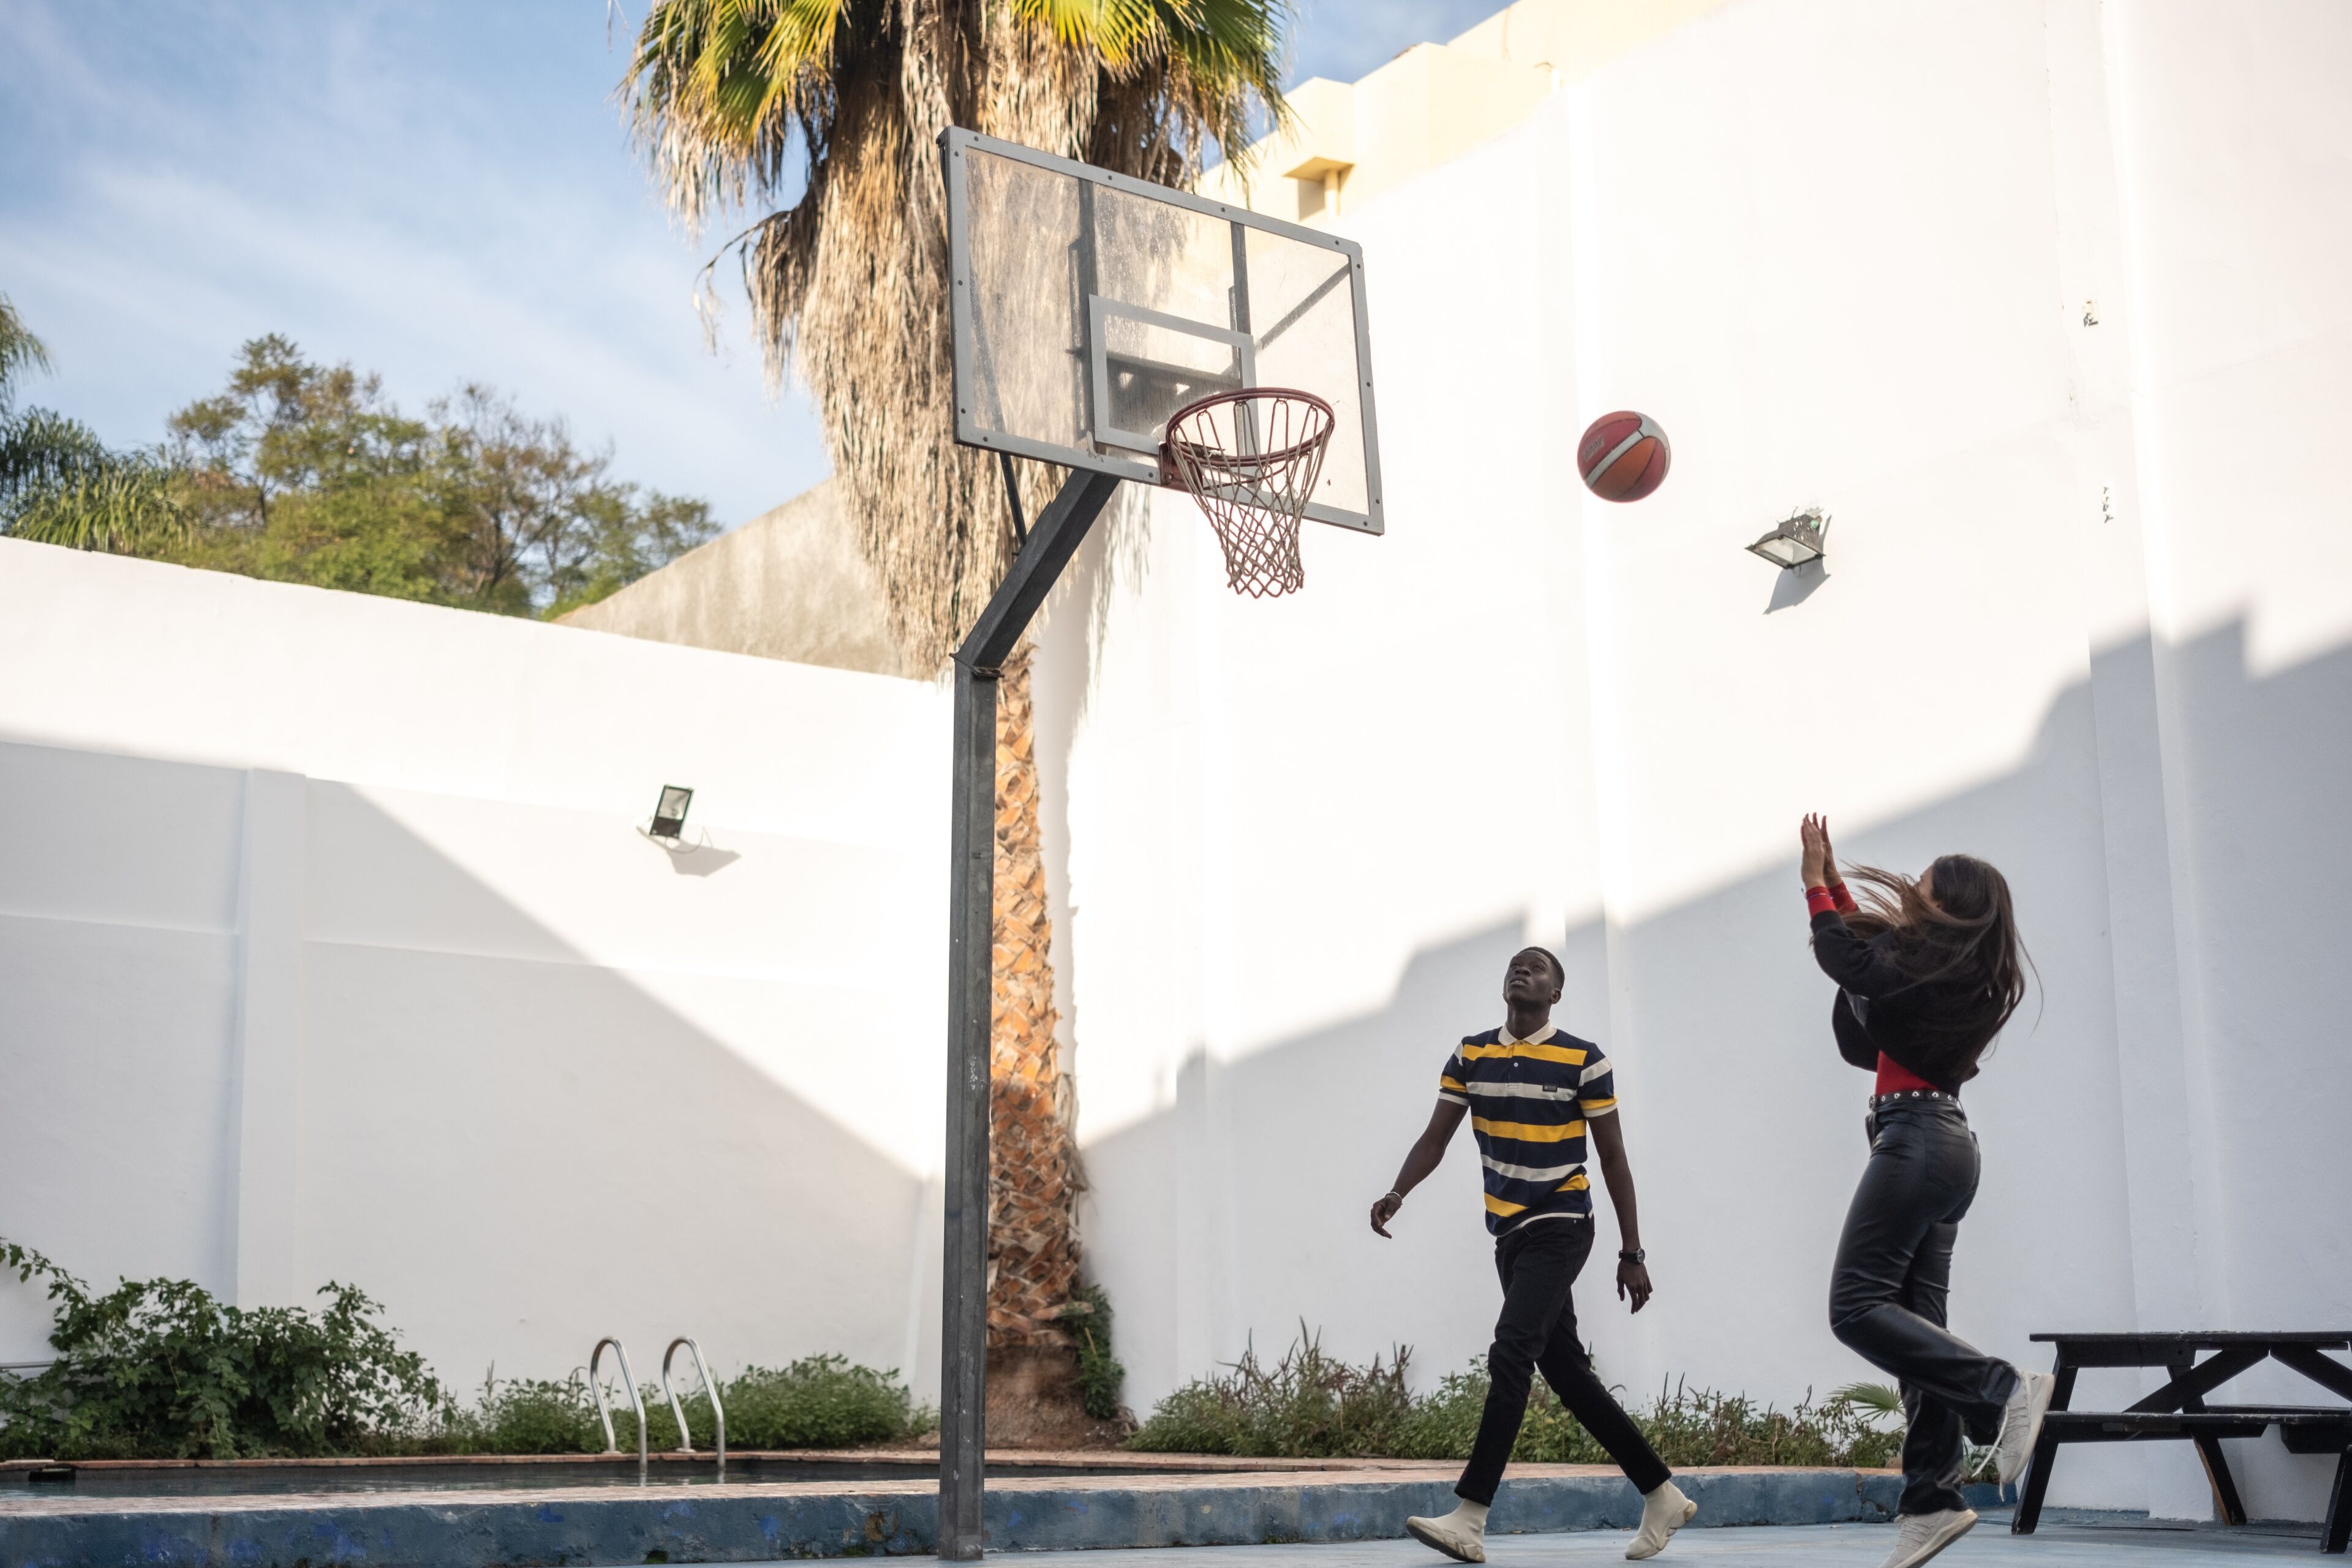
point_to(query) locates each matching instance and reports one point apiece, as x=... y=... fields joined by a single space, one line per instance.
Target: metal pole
x=964 y=1306
x=972 y=919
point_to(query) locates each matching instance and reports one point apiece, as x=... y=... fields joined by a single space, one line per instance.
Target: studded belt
x=1907 y=1096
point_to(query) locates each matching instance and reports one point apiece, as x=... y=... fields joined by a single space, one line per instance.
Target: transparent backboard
x=1089 y=306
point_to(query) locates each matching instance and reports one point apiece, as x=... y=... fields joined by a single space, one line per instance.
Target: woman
x=1928 y=972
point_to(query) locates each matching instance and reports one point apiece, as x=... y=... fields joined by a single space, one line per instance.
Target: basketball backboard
x=1089 y=306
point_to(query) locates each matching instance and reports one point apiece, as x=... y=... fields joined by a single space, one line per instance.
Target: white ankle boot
x=1461 y=1536
x=1664 y=1510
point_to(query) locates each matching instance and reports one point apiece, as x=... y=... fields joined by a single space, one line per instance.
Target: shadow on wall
x=1794 y=584
x=515 y=1149
x=701 y=858
x=1239 y=1212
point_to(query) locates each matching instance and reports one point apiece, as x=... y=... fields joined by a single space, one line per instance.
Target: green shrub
x=158 y=1369
x=819 y=1402
x=525 y=1415
x=1099 y=1374
x=1312 y=1405
x=1307 y=1405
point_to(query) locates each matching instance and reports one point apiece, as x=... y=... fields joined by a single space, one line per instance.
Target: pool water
x=251 y=1477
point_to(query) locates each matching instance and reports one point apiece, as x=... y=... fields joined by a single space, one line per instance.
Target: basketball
x=1624 y=455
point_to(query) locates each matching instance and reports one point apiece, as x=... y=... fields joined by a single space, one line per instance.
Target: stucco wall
x=331 y=950
x=789 y=583
x=2087 y=612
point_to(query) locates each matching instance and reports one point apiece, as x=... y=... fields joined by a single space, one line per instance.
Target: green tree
x=58 y=482
x=308 y=473
x=20 y=351
x=827 y=111
x=836 y=104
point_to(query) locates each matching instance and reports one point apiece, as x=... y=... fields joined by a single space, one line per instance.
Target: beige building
x=789 y=583
x=1348 y=143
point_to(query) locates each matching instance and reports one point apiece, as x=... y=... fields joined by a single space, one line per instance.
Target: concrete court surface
x=1840 y=1545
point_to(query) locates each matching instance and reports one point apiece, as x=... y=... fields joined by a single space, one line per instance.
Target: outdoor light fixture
x=669 y=816
x=1796 y=541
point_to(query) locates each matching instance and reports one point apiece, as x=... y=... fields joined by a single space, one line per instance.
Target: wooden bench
x=2178 y=1411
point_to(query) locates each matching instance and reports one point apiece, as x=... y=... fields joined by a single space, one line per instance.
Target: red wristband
x=1843 y=900
x=1820 y=902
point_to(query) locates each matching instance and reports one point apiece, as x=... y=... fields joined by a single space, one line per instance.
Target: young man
x=1531 y=1093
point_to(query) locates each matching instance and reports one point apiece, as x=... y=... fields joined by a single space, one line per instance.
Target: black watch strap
x=1638 y=1255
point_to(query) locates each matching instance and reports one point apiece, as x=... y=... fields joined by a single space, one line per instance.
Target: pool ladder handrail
x=603 y=1411
x=717 y=1411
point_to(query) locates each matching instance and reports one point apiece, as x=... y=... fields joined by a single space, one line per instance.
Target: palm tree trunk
x=1032 y=1187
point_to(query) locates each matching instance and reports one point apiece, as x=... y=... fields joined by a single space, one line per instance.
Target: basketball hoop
x=1251 y=458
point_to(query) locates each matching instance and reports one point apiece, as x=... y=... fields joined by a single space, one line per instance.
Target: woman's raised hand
x=1813 y=842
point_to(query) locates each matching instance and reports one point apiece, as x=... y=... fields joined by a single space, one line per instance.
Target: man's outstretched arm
x=1419 y=1160
x=1609 y=1146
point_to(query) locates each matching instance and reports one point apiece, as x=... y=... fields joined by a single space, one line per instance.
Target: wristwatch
x=1637 y=1256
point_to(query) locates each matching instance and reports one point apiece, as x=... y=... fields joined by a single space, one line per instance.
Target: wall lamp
x=669 y=815
x=1797 y=540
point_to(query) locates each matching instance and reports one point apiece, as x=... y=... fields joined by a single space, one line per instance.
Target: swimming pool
x=239 y=1477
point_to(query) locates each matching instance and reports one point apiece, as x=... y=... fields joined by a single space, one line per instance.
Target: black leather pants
x=1886 y=1293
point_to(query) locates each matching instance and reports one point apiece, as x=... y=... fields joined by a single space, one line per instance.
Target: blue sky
x=440 y=192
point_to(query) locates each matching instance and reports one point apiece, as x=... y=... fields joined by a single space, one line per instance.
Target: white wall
x=2087 y=612
x=332 y=951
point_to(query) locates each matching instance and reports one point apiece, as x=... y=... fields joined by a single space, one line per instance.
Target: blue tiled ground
x=1832 y=1545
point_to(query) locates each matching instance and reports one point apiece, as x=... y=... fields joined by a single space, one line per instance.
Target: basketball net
x=1250 y=460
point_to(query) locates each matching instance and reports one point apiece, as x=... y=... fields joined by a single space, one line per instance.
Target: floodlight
x=669 y=816
x=1797 y=540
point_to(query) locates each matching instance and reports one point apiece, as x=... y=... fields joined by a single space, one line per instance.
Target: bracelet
x=1392 y=1192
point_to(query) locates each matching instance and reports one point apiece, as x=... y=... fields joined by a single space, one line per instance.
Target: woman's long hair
x=1959 y=938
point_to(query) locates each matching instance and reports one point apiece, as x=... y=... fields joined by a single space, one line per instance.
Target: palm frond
x=1876 y=1398
x=39 y=449
x=122 y=505
x=834 y=106
x=1117 y=30
x=20 y=351
x=718 y=90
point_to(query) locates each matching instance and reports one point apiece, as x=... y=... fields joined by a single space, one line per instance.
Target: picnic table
x=2179 y=1410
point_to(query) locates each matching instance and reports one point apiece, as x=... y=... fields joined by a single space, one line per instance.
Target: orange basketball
x=1624 y=455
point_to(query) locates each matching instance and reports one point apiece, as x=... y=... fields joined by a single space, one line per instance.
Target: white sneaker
x=1925 y=1534
x=2020 y=1423
x=1461 y=1536
x=1663 y=1511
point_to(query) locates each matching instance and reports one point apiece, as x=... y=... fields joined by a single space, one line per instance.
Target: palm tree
x=827 y=111
x=20 y=351
x=58 y=483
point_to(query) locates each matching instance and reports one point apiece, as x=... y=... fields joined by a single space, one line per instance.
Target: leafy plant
x=1312 y=1405
x=1874 y=1402
x=1308 y=1405
x=1099 y=1374
x=819 y=1402
x=523 y=1415
x=158 y=1369
x=1871 y=1402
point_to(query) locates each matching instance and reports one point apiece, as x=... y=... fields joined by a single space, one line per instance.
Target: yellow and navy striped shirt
x=1528 y=1101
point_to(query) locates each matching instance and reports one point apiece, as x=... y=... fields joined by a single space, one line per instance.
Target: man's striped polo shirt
x=1528 y=1101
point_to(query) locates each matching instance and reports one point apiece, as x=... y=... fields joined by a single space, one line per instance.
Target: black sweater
x=1880 y=1008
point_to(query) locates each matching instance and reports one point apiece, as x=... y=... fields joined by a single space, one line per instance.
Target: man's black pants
x=1887 y=1291
x=1539 y=1262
